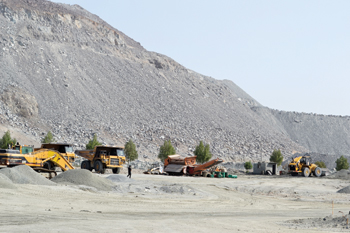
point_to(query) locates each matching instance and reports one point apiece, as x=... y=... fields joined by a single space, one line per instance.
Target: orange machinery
x=177 y=165
x=198 y=169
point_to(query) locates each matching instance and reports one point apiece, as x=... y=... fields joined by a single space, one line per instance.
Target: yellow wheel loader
x=302 y=165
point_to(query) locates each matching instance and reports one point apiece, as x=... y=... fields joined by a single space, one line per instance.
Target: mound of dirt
x=329 y=222
x=84 y=177
x=344 y=190
x=342 y=174
x=6 y=183
x=23 y=174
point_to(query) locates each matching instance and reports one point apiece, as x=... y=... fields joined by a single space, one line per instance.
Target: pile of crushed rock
x=331 y=223
x=344 y=190
x=6 y=183
x=342 y=174
x=87 y=180
x=22 y=174
x=84 y=177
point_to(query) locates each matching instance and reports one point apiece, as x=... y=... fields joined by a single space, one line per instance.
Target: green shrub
x=130 y=151
x=165 y=150
x=92 y=143
x=7 y=141
x=202 y=152
x=276 y=157
x=48 y=138
x=248 y=165
x=342 y=163
x=321 y=164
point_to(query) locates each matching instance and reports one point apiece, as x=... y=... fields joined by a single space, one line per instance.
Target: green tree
x=321 y=164
x=276 y=157
x=342 y=163
x=165 y=150
x=48 y=138
x=6 y=140
x=130 y=151
x=92 y=143
x=248 y=165
x=202 y=152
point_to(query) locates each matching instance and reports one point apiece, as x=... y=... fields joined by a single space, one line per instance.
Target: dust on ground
x=81 y=199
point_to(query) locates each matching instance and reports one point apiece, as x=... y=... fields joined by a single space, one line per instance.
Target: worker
x=129 y=171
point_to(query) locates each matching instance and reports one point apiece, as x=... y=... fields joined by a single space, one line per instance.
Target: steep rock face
x=88 y=77
x=318 y=133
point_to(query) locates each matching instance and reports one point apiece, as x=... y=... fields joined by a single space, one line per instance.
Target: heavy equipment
x=102 y=158
x=154 y=169
x=36 y=159
x=23 y=149
x=199 y=168
x=64 y=148
x=303 y=165
x=177 y=165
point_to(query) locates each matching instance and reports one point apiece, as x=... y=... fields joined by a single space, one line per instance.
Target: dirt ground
x=156 y=203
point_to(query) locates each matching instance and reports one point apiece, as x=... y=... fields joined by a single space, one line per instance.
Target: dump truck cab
x=102 y=158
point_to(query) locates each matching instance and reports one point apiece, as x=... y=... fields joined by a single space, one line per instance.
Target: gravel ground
x=149 y=202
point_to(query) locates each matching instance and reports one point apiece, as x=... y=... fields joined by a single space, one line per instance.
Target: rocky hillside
x=66 y=70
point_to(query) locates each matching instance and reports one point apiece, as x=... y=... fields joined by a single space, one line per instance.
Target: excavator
x=36 y=159
x=303 y=165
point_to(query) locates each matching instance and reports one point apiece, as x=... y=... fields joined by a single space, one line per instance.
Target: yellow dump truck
x=102 y=158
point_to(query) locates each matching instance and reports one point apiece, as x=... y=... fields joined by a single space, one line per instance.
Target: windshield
x=26 y=150
x=120 y=152
x=69 y=149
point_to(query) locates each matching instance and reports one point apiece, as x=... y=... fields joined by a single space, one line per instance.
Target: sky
x=288 y=55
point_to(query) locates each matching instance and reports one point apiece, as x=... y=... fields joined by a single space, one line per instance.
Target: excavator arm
x=59 y=160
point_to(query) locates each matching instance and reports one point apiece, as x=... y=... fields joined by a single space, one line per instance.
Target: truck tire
x=98 y=166
x=317 y=172
x=116 y=170
x=306 y=172
x=85 y=165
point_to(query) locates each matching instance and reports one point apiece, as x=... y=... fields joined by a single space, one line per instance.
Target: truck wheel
x=317 y=172
x=85 y=165
x=116 y=170
x=98 y=166
x=306 y=172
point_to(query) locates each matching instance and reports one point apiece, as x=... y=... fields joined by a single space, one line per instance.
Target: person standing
x=129 y=171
